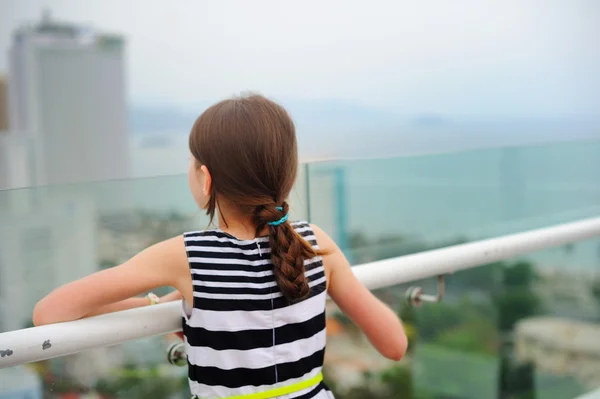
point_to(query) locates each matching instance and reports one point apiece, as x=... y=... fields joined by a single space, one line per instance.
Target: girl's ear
x=207 y=186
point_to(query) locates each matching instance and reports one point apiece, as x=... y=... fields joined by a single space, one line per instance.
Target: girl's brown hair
x=249 y=146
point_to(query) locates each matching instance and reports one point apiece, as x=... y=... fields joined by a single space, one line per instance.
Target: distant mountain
x=338 y=112
x=145 y=119
x=306 y=114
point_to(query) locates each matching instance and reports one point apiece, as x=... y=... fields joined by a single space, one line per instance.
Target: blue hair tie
x=280 y=221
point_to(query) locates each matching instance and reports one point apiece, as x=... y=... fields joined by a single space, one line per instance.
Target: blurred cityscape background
x=421 y=125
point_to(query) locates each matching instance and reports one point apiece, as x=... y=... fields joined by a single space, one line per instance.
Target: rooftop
x=49 y=28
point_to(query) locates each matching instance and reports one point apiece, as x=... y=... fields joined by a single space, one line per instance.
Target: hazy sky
x=449 y=57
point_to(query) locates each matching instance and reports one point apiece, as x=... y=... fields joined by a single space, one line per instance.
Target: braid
x=288 y=252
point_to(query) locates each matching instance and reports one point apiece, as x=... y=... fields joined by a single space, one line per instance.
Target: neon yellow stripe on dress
x=273 y=393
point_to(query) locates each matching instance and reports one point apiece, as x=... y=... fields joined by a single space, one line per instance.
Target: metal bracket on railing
x=416 y=296
x=176 y=354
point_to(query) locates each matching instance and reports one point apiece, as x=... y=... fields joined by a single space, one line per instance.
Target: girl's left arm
x=163 y=264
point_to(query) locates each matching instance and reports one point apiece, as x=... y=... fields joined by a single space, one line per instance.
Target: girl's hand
x=171 y=296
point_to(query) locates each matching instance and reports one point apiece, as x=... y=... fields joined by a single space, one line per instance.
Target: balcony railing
x=51 y=341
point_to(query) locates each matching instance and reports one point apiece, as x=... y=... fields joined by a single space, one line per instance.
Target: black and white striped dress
x=242 y=338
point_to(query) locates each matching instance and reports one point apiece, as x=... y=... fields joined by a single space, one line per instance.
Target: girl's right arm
x=162 y=264
x=380 y=324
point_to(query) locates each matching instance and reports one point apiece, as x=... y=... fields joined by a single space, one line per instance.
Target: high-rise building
x=67 y=100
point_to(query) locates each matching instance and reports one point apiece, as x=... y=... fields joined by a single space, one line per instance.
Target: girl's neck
x=235 y=223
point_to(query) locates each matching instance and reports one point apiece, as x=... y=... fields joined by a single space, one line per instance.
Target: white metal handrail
x=45 y=342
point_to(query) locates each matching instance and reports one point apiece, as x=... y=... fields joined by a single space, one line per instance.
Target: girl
x=253 y=289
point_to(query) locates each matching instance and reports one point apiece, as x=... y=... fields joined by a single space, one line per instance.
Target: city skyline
x=331 y=128
x=459 y=59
